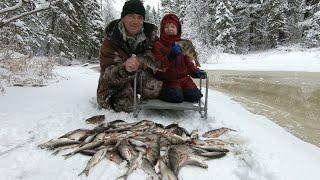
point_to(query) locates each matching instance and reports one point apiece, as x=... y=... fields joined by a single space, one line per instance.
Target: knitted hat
x=133 y=7
x=166 y=39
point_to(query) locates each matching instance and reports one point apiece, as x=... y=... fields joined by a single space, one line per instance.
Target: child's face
x=170 y=29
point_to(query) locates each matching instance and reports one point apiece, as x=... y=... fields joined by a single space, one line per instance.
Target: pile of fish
x=160 y=151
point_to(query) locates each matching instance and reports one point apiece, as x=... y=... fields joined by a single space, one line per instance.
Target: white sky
x=119 y=3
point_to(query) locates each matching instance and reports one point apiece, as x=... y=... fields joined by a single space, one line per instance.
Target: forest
x=75 y=28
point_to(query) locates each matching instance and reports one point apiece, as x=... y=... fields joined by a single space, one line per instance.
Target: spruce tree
x=224 y=27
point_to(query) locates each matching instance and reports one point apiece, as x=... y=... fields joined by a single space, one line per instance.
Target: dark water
x=290 y=99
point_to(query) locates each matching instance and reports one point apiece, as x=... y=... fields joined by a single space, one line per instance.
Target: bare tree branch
x=8 y=9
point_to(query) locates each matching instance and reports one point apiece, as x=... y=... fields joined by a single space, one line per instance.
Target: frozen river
x=290 y=99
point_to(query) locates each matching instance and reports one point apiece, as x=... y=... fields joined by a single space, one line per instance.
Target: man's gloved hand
x=174 y=52
x=201 y=74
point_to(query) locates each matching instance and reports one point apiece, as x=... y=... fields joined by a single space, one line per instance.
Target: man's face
x=133 y=23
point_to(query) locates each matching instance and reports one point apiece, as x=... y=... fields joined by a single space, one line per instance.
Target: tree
x=224 y=27
x=75 y=29
x=108 y=11
x=311 y=24
x=21 y=29
x=277 y=24
x=148 y=17
x=28 y=11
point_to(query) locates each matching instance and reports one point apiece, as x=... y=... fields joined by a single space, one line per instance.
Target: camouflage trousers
x=123 y=99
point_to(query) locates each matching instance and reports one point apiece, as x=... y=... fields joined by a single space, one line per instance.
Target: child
x=177 y=83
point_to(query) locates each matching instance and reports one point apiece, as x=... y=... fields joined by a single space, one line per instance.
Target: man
x=127 y=41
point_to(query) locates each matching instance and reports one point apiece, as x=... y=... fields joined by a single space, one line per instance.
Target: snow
x=289 y=59
x=264 y=150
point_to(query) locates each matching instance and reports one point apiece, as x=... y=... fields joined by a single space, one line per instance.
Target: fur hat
x=133 y=7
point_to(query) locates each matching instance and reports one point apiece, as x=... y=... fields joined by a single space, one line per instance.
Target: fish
x=132 y=166
x=141 y=145
x=180 y=156
x=54 y=143
x=147 y=167
x=216 y=132
x=173 y=138
x=117 y=123
x=88 y=152
x=189 y=49
x=126 y=151
x=194 y=134
x=153 y=149
x=95 y=119
x=216 y=142
x=212 y=155
x=165 y=171
x=138 y=143
x=212 y=148
x=59 y=149
x=91 y=145
x=176 y=129
x=143 y=125
x=77 y=134
x=114 y=157
x=95 y=159
x=141 y=149
x=208 y=142
x=147 y=60
x=89 y=139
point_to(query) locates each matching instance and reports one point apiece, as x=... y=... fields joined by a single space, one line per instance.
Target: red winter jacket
x=177 y=69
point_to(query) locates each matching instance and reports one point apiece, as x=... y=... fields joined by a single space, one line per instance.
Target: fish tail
x=85 y=171
x=56 y=152
x=197 y=162
x=42 y=146
x=66 y=156
x=123 y=177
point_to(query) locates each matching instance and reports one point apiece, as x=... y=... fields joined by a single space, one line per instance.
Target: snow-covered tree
x=148 y=17
x=224 y=27
x=155 y=16
x=277 y=24
x=20 y=30
x=108 y=11
x=295 y=16
x=311 y=24
x=75 y=29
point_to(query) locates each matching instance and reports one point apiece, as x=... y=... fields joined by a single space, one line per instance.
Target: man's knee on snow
x=173 y=95
x=123 y=100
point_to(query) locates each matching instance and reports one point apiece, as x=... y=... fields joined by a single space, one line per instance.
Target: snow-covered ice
x=30 y=116
x=288 y=59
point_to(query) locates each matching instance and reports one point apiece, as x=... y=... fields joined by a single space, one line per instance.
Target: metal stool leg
x=135 y=103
